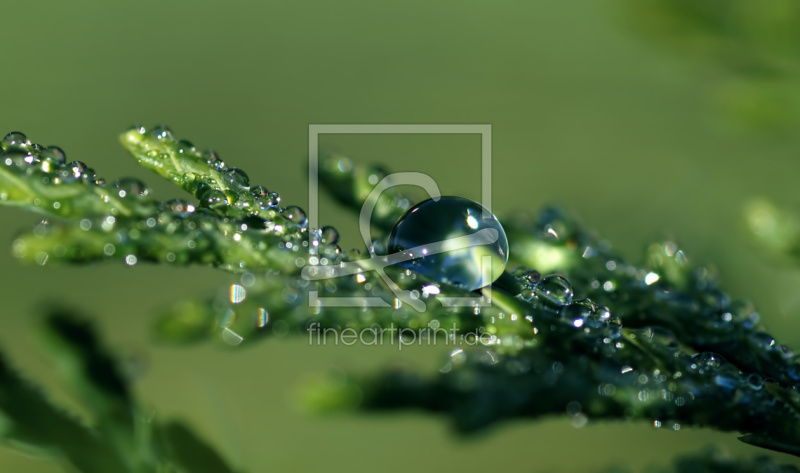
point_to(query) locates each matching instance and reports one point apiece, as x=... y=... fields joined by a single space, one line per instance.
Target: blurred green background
x=624 y=133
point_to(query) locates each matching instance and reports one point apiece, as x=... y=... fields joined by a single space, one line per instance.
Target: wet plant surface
x=573 y=330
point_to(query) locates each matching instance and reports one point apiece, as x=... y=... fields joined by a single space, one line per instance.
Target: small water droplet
x=77 y=168
x=131 y=187
x=161 y=132
x=54 y=157
x=16 y=138
x=764 y=341
x=296 y=215
x=576 y=313
x=213 y=199
x=185 y=147
x=554 y=291
x=212 y=159
x=237 y=177
x=531 y=277
x=264 y=198
x=328 y=236
x=716 y=299
x=89 y=175
x=661 y=336
x=755 y=381
x=707 y=361
x=787 y=352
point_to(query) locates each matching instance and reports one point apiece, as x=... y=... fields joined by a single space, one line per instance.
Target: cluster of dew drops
x=50 y=164
x=321 y=248
x=261 y=198
x=555 y=294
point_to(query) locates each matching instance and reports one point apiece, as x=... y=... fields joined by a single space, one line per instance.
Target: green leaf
x=28 y=421
x=189 y=452
x=87 y=366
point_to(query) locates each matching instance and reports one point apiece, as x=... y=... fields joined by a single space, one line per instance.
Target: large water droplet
x=439 y=225
x=554 y=291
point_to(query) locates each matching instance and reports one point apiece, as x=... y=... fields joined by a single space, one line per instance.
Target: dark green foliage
x=117 y=438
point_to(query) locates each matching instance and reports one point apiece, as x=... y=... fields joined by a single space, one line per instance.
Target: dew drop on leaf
x=16 y=138
x=554 y=291
x=576 y=313
x=54 y=155
x=161 y=133
x=77 y=168
x=296 y=215
x=435 y=224
x=264 y=198
x=131 y=187
x=213 y=199
x=185 y=147
x=755 y=381
x=212 y=159
x=237 y=177
x=328 y=236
